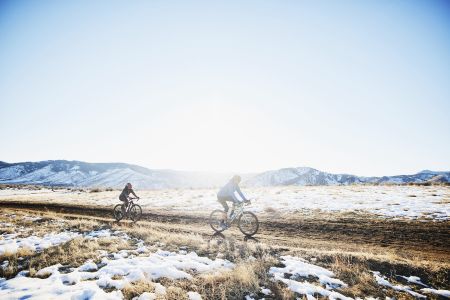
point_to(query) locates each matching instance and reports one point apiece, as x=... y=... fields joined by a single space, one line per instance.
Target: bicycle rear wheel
x=215 y=219
x=135 y=213
x=248 y=223
x=118 y=212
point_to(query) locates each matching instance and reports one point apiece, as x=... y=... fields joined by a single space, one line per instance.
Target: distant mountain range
x=115 y=175
x=309 y=176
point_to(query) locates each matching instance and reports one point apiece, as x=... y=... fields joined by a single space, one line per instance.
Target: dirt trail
x=427 y=240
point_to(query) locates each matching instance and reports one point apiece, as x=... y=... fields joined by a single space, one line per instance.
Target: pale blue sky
x=361 y=87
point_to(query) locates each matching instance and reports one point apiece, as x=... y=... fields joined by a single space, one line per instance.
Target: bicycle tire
x=244 y=230
x=118 y=212
x=135 y=212
x=213 y=221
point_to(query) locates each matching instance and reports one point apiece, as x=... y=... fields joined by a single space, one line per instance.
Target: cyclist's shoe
x=223 y=225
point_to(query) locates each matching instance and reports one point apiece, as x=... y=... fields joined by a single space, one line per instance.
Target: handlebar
x=245 y=203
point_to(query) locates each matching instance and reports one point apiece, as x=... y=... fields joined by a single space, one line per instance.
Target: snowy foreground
x=112 y=272
x=412 y=202
x=90 y=279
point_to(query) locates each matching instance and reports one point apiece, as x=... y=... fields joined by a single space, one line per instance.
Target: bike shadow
x=125 y=223
x=248 y=238
x=220 y=236
x=228 y=246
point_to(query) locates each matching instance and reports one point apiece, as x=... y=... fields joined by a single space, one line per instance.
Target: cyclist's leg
x=125 y=204
x=223 y=201
x=232 y=209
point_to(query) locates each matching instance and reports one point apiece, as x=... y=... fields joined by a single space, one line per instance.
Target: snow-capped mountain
x=300 y=176
x=82 y=174
x=116 y=175
x=309 y=176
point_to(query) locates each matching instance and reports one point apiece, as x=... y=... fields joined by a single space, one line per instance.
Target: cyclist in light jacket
x=228 y=193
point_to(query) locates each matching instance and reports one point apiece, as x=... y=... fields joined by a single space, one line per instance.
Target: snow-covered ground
x=91 y=279
x=111 y=272
x=432 y=202
x=114 y=271
x=10 y=244
x=381 y=280
x=298 y=269
x=311 y=281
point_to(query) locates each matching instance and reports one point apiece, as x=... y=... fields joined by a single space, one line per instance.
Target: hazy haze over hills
x=83 y=174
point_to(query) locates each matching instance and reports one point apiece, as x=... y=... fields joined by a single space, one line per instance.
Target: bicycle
x=134 y=211
x=247 y=221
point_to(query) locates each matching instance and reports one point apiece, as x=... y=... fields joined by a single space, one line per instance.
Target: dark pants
x=124 y=200
x=223 y=201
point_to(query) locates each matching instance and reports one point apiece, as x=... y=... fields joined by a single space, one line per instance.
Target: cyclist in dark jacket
x=126 y=193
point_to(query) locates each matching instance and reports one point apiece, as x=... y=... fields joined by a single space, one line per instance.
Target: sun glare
x=214 y=137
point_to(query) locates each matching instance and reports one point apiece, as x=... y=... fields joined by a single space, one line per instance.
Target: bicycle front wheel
x=135 y=213
x=215 y=220
x=248 y=223
x=118 y=212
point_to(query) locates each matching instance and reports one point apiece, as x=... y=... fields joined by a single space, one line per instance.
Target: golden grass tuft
x=270 y=210
x=74 y=253
x=135 y=289
x=172 y=240
x=175 y=293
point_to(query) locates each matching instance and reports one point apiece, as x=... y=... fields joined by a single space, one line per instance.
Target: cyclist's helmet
x=129 y=185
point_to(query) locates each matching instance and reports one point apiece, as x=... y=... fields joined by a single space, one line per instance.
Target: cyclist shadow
x=220 y=237
x=248 y=238
x=217 y=237
x=125 y=223
x=226 y=246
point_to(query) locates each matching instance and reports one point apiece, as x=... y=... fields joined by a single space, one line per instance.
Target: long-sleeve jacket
x=229 y=191
x=125 y=193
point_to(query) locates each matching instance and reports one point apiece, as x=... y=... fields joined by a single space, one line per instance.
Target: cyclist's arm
x=134 y=193
x=238 y=190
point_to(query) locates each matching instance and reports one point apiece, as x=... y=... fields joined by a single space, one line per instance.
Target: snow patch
x=381 y=280
x=444 y=293
x=88 y=280
x=194 y=296
x=10 y=244
x=296 y=267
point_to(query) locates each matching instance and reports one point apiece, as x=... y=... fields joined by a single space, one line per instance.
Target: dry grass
x=81 y=224
x=355 y=270
x=137 y=288
x=172 y=241
x=270 y=210
x=244 y=279
x=175 y=293
x=351 y=264
x=356 y=274
x=74 y=253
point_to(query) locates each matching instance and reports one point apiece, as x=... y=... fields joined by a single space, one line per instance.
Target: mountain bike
x=134 y=211
x=247 y=221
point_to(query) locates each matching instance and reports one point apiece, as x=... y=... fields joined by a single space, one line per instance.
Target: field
x=314 y=242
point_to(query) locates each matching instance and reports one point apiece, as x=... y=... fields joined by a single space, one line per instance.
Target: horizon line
x=217 y=172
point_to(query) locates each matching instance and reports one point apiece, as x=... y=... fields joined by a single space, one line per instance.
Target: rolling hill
x=83 y=174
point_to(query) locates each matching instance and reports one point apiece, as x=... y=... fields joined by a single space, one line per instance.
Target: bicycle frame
x=237 y=211
x=130 y=204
